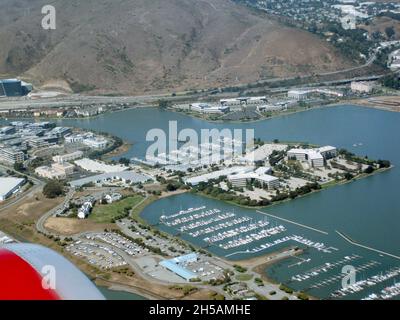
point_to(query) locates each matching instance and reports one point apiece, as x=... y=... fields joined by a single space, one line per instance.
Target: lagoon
x=367 y=210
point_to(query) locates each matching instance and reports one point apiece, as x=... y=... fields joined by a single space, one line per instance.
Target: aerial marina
x=339 y=277
x=231 y=223
x=250 y=238
x=191 y=217
x=316 y=271
x=202 y=223
x=387 y=293
x=370 y=282
x=238 y=232
x=181 y=213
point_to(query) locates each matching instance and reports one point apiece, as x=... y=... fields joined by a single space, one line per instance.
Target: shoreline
x=360 y=102
x=263 y=118
x=324 y=187
x=116 y=286
x=119 y=151
x=364 y=102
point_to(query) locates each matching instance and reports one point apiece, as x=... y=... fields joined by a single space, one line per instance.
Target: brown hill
x=134 y=46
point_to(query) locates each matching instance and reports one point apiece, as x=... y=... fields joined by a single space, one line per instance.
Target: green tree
x=369 y=170
x=124 y=161
x=163 y=104
x=19 y=167
x=391 y=81
x=53 y=189
x=390 y=32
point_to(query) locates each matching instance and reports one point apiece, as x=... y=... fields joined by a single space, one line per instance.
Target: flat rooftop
x=125 y=175
x=8 y=184
x=98 y=166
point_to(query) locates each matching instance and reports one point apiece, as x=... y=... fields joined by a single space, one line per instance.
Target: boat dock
x=292 y=222
x=366 y=247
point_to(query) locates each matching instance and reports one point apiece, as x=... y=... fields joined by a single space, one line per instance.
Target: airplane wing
x=33 y=272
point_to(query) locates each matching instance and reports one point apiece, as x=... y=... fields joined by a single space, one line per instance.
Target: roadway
x=149 y=100
x=40 y=223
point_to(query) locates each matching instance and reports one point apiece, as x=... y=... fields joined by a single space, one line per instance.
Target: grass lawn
x=106 y=213
x=244 y=277
x=138 y=210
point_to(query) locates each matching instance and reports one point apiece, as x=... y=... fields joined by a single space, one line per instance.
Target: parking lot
x=96 y=254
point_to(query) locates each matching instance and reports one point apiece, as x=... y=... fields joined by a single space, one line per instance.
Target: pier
x=292 y=222
x=366 y=247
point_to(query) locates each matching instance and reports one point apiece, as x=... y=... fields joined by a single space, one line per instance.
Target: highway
x=152 y=99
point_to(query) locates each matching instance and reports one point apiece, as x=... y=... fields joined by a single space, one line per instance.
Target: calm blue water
x=119 y=295
x=342 y=126
x=367 y=210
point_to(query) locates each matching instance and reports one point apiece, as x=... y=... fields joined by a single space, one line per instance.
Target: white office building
x=11 y=155
x=194 y=181
x=242 y=102
x=241 y=180
x=363 y=86
x=68 y=157
x=85 y=210
x=299 y=95
x=328 y=152
x=315 y=157
x=207 y=108
x=56 y=170
x=95 y=142
x=99 y=166
x=124 y=178
x=298 y=154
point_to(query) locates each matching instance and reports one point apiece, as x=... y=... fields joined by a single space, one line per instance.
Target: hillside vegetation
x=138 y=46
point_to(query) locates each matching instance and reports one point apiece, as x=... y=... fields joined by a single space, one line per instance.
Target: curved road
x=40 y=223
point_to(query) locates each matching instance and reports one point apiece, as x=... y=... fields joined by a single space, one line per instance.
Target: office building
x=260 y=175
x=206 y=108
x=11 y=155
x=68 y=157
x=315 y=157
x=363 y=86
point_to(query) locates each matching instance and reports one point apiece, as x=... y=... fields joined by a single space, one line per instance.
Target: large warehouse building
x=8 y=186
x=179 y=266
